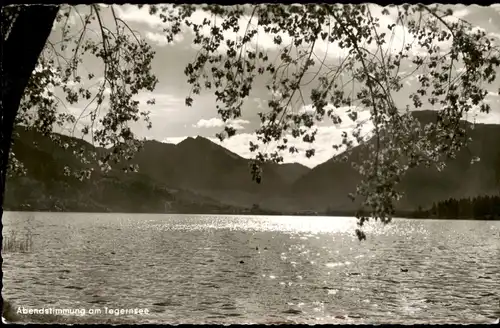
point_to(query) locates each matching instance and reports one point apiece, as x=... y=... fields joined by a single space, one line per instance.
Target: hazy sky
x=173 y=121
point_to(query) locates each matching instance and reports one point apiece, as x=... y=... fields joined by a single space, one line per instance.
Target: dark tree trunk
x=19 y=51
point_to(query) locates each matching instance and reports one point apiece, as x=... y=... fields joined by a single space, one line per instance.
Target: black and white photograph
x=250 y=163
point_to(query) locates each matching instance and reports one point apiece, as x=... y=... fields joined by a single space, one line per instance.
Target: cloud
x=261 y=41
x=160 y=39
x=395 y=40
x=476 y=116
x=164 y=103
x=259 y=102
x=400 y=36
x=215 y=122
x=461 y=13
x=343 y=113
x=210 y=123
x=70 y=22
x=326 y=137
x=132 y=13
x=173 y=140
x=238 y=124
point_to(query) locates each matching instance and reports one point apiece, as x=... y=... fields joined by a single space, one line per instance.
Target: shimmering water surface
x=186 y=268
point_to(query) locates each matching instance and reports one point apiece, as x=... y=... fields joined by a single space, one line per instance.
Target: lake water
x=186 y=268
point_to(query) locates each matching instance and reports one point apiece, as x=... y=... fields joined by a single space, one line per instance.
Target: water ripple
x=233 y=269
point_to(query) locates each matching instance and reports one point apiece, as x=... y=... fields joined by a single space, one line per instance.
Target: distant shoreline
x=337 y=215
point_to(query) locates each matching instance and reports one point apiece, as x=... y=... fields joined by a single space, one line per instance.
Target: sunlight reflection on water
x=258 y=269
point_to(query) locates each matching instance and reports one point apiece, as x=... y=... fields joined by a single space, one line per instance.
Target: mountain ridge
x=440 y=185
x=208 y=173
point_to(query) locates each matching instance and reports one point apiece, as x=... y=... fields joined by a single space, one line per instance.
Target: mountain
x=200 y=165
x=46 y=188
x=199 y=176
x=291 y=172
x=197 y=169
x=327 y=185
